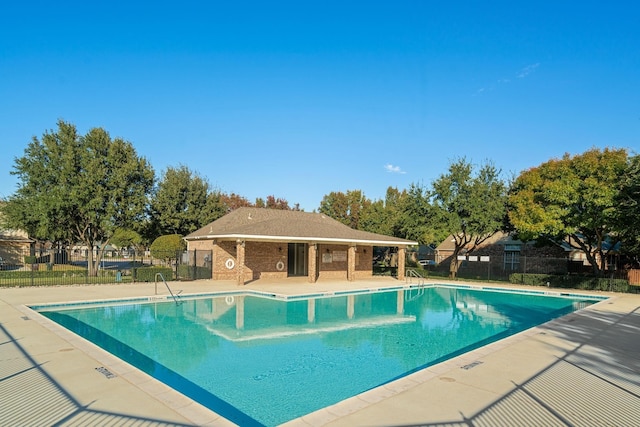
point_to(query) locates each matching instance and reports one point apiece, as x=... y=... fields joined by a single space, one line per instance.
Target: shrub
x=148 y=274
x=41 y=274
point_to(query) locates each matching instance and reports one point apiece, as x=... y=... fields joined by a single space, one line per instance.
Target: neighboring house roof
x=607 y=245
x=282 y=225
x=499 y=238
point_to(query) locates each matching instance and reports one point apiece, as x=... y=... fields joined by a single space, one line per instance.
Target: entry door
x=297 y=259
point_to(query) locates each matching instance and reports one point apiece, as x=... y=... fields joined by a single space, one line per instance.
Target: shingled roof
x=292 y=226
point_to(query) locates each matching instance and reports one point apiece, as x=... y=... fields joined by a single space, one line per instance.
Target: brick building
x=257 y=243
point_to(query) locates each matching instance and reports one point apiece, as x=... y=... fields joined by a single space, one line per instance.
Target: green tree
x=469 y=207
x=276 y=203
x=167 y=247
x=126 y=238
x=628 y=213
x=374 y=218
x=181 y=203
x=79 y=188
x=571 y=201
x=345 y=207
x=381 y=216
x=414 y=217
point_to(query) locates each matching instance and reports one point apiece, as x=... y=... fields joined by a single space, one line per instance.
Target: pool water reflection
x=264 y=361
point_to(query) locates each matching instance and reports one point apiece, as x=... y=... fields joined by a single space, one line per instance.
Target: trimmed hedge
x=148 y=274
x=572 y=282
x=42 y=274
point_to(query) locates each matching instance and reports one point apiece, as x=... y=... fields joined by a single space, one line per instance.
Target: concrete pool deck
x=582 y=370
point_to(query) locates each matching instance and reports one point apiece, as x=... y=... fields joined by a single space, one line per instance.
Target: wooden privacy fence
x=633 y=276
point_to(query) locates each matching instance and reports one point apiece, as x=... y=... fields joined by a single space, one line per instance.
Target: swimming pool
x=260 y=360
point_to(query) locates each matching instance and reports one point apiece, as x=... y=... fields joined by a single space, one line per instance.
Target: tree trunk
x=598 y=268
x=99 y=257
x=93 y=263
x=91 y=268
x=593 y=260
x=454 y=264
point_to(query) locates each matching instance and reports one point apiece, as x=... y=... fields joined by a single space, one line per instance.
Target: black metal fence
x=491 y=268
x=535 y=271
x=23 y=268
x=499 y=268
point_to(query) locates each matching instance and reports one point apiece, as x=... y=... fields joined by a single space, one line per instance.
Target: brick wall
x=262 y=260
x=266 y=260
x=333 y=262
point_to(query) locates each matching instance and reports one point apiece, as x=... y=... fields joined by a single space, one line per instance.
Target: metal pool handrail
x=411 y=274
x=174 y=296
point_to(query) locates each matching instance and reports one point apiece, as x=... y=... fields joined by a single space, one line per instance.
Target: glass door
x=297 y=265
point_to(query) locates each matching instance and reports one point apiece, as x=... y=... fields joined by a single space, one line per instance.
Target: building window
x=512 y=256
x=511 y=260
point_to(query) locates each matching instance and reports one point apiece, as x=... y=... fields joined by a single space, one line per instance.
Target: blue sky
x=298 y=99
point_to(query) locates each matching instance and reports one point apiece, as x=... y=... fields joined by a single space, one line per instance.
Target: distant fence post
x=193 y=270
x=133 y=266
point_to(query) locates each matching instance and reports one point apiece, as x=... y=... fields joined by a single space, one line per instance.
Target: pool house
x=257 y=243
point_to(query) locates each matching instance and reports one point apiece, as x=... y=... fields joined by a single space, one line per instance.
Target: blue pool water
x=265 y=361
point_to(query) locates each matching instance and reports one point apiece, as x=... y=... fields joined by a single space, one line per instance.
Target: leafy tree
x=628 y=212
x=414 y=214
x=167 y=247
x=79 y=188
x=181 y=203
x=345 y=207
x=573 y=201
x=402 y=214
x=126 y=238
x=469 y=207
x=216 y=201
x=381 y=216
x=233 y=201
x=273 y=203
x=375 y=218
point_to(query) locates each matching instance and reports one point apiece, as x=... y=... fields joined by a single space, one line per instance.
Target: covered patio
x=256 y=243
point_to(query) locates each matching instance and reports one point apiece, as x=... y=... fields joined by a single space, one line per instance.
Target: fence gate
x=194 y=265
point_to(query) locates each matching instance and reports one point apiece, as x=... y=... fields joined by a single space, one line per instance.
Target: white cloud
x=524 y=72
x=528 y=70
x=393 y=169
x=484 y=90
